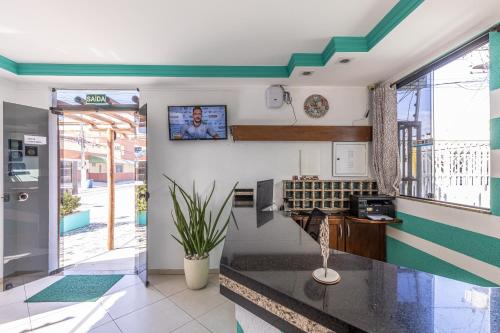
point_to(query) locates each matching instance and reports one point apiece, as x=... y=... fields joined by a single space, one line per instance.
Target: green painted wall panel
x=239 y=329
x=495 y=133
x=401 y=254
x=495 y=196
x=494 y=60
x=479 y=246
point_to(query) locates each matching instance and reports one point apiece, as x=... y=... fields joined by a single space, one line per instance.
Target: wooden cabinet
x=365 y=239
x=337 y=240
x=357 y=236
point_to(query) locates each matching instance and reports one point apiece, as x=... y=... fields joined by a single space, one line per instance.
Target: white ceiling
x=179 y=32
x=225 y=32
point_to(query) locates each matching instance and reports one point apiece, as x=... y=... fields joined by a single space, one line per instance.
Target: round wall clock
x=316 y=106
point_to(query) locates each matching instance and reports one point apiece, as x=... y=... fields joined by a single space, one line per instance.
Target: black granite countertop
x=266 y=267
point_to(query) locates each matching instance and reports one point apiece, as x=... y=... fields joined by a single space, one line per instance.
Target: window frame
x=437 y=63
x=446 y=58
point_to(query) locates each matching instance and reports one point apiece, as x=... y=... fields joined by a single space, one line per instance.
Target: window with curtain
x=443 y=122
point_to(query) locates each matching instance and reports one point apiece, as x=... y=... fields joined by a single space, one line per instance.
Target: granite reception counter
x=266 y=269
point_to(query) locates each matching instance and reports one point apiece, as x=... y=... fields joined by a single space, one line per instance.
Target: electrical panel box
x=350 y=159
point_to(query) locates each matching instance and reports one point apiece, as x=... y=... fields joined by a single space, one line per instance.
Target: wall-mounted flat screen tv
x=197 y=122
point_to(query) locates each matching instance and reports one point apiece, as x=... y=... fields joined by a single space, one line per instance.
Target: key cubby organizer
x=325 y=194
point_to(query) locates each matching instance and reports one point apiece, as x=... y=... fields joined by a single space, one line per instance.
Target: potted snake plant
x=199 y=231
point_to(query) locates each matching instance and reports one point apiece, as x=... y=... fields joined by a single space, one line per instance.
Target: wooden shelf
x=368 y=221
x=301 y=133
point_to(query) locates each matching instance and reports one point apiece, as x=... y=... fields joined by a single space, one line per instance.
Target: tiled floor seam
x=189 y=322
x=116 y=324
x=164 y=297
x=204 y=313
x=199 y=322
x=208 y=329
x=192 y=319
x=171 y=295
x=27 y=307
x=126 y=314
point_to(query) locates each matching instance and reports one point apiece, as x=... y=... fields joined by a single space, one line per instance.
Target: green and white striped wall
x=495 y=121
x=463 y=245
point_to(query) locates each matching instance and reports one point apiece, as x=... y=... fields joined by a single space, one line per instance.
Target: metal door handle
x=22 y=196
x=348 y=230
x=340 y=226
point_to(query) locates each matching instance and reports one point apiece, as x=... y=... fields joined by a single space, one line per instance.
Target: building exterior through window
x=443 y=119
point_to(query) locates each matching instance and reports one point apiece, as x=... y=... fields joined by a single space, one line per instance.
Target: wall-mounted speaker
x=275 y=97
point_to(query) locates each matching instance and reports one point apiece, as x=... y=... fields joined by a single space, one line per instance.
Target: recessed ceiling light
x=344 y=61
x=307 y=73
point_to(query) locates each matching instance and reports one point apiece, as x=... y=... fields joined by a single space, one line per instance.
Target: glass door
x=142 y=194
x=26 y=194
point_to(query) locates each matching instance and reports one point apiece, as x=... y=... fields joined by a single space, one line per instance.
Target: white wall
x=222 y=161
x=225 y=161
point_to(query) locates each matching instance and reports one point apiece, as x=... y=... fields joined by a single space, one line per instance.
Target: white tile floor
x=117 y=261
x=165 y=306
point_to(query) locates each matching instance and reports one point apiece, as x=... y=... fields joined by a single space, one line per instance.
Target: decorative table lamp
x=325 y=275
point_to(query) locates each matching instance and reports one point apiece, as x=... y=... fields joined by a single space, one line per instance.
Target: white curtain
x=385 y=139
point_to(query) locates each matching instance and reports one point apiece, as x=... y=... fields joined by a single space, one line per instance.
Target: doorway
x=26 y=228
x=102 y=182
x=50 y=173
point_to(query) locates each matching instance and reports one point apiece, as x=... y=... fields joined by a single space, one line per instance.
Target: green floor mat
x=76 y=288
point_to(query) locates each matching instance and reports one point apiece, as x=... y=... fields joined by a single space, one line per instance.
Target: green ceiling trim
x=336 y=44
x=356 y=44
x=8 y=65
x=344 y=44
x=305 y=60
x=395 y=16
x=153 y=70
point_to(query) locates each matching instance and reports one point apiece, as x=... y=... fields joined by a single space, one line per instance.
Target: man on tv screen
x=198 y=130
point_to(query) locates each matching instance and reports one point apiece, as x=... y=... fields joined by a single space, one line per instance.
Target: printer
x=379 y=207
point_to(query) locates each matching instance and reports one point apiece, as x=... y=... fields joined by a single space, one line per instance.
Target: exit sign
x=95 y=99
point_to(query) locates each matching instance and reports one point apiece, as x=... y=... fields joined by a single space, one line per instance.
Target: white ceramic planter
x=196 y=272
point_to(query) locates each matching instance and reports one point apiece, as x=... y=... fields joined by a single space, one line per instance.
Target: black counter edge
x=307 y=311
x=259 y=312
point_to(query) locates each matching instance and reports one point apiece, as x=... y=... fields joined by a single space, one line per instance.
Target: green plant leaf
x=198 y=233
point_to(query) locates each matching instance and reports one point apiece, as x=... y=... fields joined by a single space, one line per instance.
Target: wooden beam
x=301 y=133
x=121 y=118
x=111 y=188
x=80 y=119
x=117 y=130
x=101 y=118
